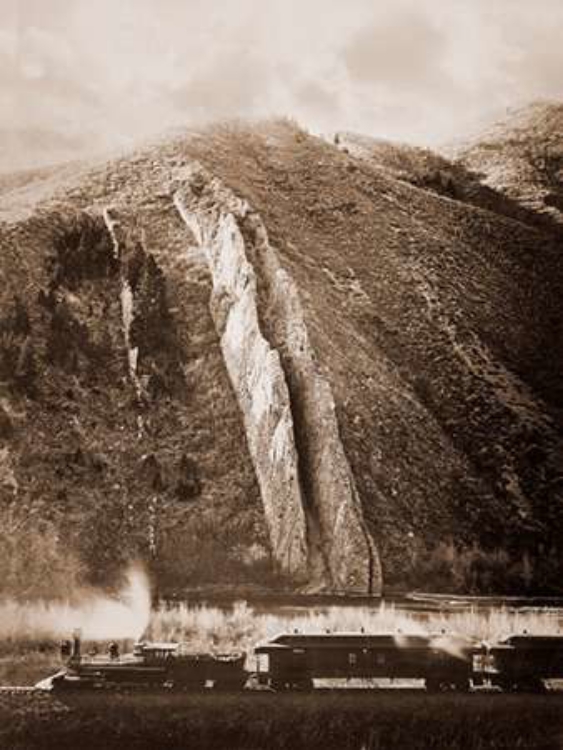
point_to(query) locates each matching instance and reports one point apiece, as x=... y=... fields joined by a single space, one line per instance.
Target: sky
x=78 y=74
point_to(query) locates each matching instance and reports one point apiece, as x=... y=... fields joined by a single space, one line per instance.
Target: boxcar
x=294 y=661
x=523 y=662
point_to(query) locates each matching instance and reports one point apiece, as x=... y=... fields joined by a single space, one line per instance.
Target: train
x=297 y=661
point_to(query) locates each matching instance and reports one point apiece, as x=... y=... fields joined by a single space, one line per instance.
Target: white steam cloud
x=97 y=616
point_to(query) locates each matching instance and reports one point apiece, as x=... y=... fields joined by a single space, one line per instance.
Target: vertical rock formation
x=310 y=499
x=258 y=379
x=126 y=300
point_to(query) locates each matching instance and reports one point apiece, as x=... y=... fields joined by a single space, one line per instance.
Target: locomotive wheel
x=304 y=684
x=507 y=686
x=279 y=685
x=462 y=685
x=229 y=685
x=192 y=685
x=437 y=685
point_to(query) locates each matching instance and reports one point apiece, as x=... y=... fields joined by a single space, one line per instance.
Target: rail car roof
x=534 y=641
x=361 y=640
x=151 y=646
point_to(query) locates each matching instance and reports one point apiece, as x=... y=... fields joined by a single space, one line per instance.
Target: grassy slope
x=432 y=171
x=438 y=324
x=16 y=180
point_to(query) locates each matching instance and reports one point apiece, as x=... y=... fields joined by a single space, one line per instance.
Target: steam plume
x=97 y=616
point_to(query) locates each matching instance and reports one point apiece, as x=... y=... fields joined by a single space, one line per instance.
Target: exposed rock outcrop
x=258 y=379
x=126 y=300
x=307 y=486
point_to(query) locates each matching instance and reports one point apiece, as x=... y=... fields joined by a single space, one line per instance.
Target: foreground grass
x=29 y=667
x=352 y=720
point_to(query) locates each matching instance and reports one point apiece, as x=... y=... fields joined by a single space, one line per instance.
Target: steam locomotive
x=162 y=665
x=293 y=661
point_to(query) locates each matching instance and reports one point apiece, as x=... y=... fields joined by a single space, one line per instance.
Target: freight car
x=293 y=661
x=524 y=662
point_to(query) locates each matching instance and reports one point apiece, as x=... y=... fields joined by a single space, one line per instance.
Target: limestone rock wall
x=335 y=514
x=256 y=373
x=309 y=494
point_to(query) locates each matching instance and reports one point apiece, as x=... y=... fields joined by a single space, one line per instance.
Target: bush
x=33 y=561
x=83 y=250
x=18 y=365
x=472 y=570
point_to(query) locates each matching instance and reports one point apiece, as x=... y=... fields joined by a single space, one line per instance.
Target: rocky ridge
x=307 y=485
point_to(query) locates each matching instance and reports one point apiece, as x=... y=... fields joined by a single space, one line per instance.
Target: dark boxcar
x=295 y=660
x=523 y=662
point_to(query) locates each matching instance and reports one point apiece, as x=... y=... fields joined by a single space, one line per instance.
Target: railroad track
x=21 y=690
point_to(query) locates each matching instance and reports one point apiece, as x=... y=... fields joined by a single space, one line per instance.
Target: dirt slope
x=436 y=323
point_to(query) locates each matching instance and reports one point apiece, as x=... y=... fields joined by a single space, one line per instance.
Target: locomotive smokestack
x=66 y=650
x=76 y=645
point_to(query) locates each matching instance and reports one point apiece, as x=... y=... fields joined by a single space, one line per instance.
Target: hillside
x=522 y=156
x=245 y=352
x=456 y=178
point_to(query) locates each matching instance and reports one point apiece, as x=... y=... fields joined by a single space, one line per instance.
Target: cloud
x=533 y=59
x=404 y=50
x=318 y=98
x=237 y=81
x=424 y=71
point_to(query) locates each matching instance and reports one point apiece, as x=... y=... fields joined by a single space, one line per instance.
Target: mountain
x=522 y=157
x=460 y=178
x=245 y=354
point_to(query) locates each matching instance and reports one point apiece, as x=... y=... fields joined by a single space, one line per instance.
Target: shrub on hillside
x=473 y=570
x=33 y=561
x=18 y=366
x=83 y=250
